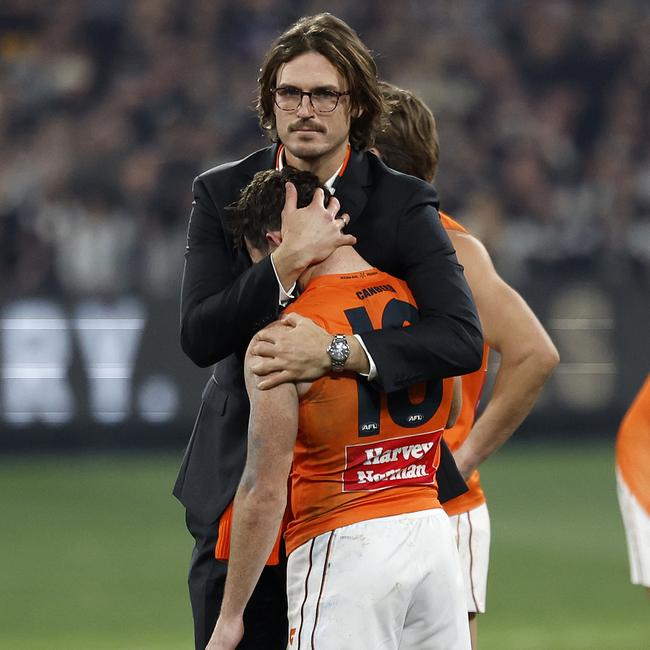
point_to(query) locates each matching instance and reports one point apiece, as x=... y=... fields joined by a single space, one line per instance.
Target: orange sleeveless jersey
x=361 y=454
x=633 y=447
x=472 y=387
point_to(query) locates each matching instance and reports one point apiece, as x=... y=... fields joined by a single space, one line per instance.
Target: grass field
x=94 y=554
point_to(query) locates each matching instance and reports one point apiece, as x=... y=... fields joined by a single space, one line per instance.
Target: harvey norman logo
x=407 y=460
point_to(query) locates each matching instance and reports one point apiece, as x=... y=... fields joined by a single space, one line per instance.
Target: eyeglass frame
x=309 y=94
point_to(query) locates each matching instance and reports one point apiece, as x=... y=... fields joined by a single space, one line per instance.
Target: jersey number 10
x=401 y=410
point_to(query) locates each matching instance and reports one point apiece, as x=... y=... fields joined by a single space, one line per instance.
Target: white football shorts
x=391 y=583
x=636 y=522
x=472 y=535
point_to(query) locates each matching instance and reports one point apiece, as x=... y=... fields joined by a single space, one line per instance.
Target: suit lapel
x=351 y=187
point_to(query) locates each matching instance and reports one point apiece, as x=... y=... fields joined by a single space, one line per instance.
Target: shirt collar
x=329 y=183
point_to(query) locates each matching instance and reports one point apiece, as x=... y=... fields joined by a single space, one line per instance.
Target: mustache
x=306 y=124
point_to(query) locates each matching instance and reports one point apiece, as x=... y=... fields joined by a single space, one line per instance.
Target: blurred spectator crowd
x=109 y=108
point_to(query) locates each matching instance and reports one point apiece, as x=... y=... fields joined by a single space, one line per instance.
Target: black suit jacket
x=226 y=299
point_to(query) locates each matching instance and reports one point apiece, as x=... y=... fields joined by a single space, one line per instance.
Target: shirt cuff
x=285 y=297
x=372 y=373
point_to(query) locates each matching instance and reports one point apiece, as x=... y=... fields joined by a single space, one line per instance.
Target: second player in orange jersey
x=410 y=145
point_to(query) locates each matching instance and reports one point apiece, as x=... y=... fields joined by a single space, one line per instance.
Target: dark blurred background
x=109 y=108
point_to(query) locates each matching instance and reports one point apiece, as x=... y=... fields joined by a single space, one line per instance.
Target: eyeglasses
x=288 y=98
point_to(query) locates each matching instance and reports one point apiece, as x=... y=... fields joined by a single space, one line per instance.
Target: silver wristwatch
x=338 y=351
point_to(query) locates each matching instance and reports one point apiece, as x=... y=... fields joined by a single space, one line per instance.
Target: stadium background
x=109 y=108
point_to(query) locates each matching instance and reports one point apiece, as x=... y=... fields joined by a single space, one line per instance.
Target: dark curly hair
x=259 y=208
x=341 y=46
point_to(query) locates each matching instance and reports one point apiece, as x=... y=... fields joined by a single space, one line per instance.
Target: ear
x=274 y=237
x=376 y=152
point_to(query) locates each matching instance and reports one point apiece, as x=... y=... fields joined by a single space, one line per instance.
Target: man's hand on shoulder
x=309 y=234
x=294 y=349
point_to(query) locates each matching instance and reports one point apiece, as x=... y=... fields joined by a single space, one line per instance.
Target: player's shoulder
x=470 y=250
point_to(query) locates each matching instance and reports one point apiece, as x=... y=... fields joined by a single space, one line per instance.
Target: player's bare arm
x=309 y=235
x=295 y=349
x=260 y=500
x=528 y=355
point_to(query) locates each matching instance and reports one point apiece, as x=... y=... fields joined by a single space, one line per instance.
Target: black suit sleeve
x=447 y=341
x=223 y=303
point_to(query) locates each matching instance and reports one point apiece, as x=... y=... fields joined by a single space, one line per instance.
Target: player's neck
x=343 y=260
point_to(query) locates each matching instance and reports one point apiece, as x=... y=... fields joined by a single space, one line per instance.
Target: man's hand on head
x=309 y=234
x=294 y=349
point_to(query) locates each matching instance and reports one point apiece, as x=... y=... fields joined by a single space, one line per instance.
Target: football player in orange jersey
x=410 y=144
x=633 y=482
x=372 y=560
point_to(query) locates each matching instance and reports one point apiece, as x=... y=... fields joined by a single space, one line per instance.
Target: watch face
x=339 y=350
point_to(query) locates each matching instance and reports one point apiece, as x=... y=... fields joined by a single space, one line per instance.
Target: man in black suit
x=320 y=101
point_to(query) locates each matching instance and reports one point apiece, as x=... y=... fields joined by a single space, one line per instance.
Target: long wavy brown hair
x=409 y=142
x=341 y=46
